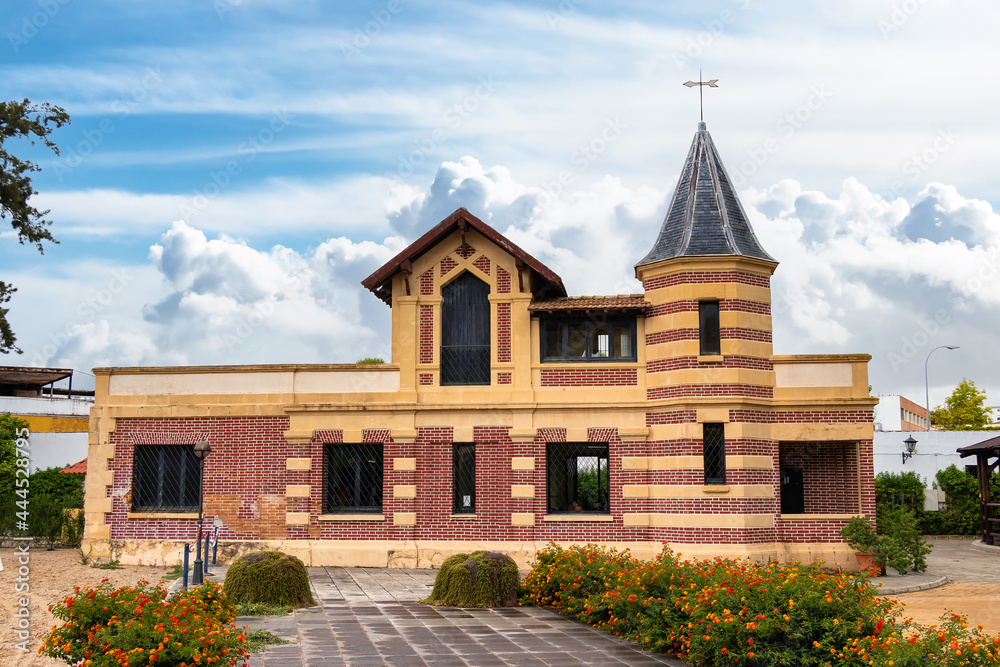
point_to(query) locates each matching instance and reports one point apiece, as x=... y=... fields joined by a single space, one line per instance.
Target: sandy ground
x=53 y=574
x=979 y=602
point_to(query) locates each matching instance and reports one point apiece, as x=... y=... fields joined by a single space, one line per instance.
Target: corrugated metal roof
x=705 y=216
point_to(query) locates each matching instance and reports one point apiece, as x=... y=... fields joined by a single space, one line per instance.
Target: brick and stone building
x=511 y=415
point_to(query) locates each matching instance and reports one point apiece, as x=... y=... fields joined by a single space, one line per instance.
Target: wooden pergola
x=989 y=509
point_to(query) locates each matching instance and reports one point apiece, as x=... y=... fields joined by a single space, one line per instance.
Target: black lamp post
x=911 y=444
x=201 y=452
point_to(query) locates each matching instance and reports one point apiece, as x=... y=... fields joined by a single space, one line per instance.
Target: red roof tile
x=621 y=302
x=76 y=468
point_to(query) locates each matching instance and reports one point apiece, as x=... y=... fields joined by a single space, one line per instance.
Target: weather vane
x=714 y=83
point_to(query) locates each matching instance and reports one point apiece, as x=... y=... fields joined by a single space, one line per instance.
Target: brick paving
x=370 y=616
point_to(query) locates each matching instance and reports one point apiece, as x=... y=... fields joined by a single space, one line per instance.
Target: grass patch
x=110 y=565
x=260 y=609
x=260 y=639
x=176 y=572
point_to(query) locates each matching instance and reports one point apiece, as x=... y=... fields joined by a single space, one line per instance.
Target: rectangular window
x=573 y=339
x=708 y=326
x=353 y=475
x=165 y=478
x=577 y=477
x=464 y=478
x=713 y=443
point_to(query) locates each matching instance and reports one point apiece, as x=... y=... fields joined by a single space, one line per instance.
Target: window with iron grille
x=577 y=477
x=465 y=331
x=578 y=339
x=713 y=443
x=165 y=478
x=353 y=475
x=464 y=478
x=708 y=326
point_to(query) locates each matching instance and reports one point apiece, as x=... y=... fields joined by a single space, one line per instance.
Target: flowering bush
x=732 y=612
x=140 y=625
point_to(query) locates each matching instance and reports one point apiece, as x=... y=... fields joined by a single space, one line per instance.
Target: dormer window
x=576 y=338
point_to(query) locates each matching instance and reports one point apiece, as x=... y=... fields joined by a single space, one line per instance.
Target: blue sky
x=235 y=167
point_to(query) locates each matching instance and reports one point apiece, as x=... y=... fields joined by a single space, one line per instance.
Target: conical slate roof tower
x=705 y=217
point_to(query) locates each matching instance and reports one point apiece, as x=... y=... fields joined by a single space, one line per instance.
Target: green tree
x=964 y=410
x=9 y=427
x=23 y=120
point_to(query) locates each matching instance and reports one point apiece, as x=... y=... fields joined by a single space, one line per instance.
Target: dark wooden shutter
x=465 y=331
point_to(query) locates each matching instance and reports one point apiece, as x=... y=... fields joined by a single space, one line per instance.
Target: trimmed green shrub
x=479 y=579
x=270 y=577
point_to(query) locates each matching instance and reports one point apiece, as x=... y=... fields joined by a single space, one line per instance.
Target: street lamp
x=927 y=392
x=911 y=445
x=201 y=452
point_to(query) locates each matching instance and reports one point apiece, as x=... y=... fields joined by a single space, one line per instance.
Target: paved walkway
x=370 y=616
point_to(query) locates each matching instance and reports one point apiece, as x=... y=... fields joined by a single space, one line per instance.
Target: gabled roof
x=630 y=303
x=380 y=282
x=705 y=217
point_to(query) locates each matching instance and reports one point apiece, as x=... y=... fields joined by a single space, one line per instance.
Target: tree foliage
x=964 y=410
x=23 y=120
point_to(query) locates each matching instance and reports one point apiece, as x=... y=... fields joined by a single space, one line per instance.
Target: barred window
x=464 y=478
x=708 y=325
x=465 y=332
x=165 y=478
x=353 y=475
x=577 y=477
x=713 y=443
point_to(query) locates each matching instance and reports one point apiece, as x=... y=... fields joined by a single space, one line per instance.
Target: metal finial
x=701 y=100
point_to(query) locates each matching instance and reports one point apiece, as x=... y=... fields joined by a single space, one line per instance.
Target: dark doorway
x=465 y=331
x=793 y=496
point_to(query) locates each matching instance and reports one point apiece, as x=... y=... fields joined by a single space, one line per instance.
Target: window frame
x=713 y=435
x=458 y=484
x=565 y=323
x=330 y=450
x=552 y=451
x=476 y=359
x=187 y=466
x=709 y=328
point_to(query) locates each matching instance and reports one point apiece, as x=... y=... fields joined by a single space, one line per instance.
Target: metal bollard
x=187 y=549
x=215 y=549
x=208 y=539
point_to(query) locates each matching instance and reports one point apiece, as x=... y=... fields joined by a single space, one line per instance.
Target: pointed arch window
x=465 y=331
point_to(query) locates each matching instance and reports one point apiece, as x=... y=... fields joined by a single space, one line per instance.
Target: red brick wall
x=427 y=282
x=483 y=264
x=465 y=251
x=734 y=390
x=426 y=354
x=733 y=361
x=688 y=277
x=426 y=379
x=829 y=474
x=504 y=378
x=725 y=305
x=725 y=333
x=589 y=377
x=503 y=281
x=447 y=264
x=503 y=333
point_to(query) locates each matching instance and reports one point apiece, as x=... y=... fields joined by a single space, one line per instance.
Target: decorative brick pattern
x=465 y=251
x=426 y=334
x=328 y=436
x=589 y=377
x=801 y=417
x=427 y=282
x=671 y=417
x=483 y=264
x=426 y=379
x=733 y=361
x=691 y=333
x=503 y=281
x=503 y=333
x=447 y=264
x=675 y=391
x=550 y=435
x=504 y=378
x=701 y=277
x=725 y=305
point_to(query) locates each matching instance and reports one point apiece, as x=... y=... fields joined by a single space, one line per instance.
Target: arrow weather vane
x=714 y=83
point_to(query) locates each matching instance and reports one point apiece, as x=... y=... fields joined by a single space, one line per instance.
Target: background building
x=898 y=413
